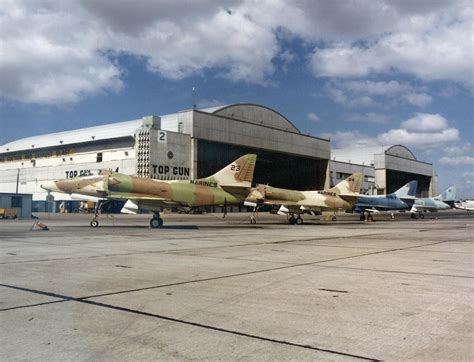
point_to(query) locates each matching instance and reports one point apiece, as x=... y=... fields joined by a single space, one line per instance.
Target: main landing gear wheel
x=392 y=215
x=94 y=223
x=253 y=220
x=422 y=216
x=370 y=217
x=413 y=216
x=299 y=221
x=291 y=220
x=156 y=222
x=334 y=218
x=362 y=217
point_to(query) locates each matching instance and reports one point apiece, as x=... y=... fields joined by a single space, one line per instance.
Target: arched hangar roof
x=400 y=151
x=254 y=113
x=365 y=154
x=246 y=112
x=96 y=133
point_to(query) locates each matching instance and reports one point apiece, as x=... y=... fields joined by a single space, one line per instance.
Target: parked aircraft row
x=233 y=186
x=467 y=205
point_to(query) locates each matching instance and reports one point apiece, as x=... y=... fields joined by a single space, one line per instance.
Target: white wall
x=54 y=168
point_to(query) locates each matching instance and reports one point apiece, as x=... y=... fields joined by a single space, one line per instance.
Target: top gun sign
x=166 y=170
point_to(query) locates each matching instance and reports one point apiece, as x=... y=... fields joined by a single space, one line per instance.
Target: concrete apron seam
x=66 y=298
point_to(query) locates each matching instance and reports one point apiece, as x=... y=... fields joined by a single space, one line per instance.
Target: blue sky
x=359 y=72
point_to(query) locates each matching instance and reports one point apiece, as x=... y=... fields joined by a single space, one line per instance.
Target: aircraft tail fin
x=236 y=174
x=348 y=186
x=407 y=191
x=449 y=194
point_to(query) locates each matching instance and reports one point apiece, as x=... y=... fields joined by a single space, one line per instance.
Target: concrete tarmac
x=203 y=287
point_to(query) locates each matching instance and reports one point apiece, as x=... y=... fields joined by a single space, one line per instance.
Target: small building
x=21 y=203
x=385 y=169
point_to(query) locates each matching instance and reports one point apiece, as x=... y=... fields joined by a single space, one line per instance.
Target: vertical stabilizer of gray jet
x=408 y=191
x=448 y=195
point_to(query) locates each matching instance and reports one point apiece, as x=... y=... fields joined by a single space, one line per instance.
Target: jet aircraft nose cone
x=49 y=186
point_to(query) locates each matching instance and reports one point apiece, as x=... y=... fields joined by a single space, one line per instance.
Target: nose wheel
x=253 y=218
x=94 y=222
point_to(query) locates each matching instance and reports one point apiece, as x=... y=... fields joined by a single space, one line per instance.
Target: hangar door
x=274 y=168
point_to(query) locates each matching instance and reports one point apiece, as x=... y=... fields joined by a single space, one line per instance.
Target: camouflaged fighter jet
x=227 y=187
x=433 y=204
x=295 y=203
x=402 y=199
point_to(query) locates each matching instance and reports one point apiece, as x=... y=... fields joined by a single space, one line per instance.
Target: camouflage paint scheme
x=342 y=196
x=228 y=186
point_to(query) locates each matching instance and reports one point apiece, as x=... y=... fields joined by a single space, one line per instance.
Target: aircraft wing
x=299 y=209
x=372 y=210
x=135 y=202
x=351 y=199
x=132 y=206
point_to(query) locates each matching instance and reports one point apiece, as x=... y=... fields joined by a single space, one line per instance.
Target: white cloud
x=436 y=48
x=208 y=103
x=60 y=52
x=418 y=99
x=425 y=122
x=427 y=130
x=406 y=137
x=344 y=139
x=313 y=117
x=457 y=150
x=457 y=160
x=370 y=117
x=43 y=62
x=368 y=93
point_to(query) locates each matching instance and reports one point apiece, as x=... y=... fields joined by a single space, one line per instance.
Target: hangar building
x=197 y=143
x=184 y=145
x=385 y=169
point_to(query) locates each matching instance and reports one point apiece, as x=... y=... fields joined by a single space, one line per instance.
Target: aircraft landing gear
x=334 y=218
x=156 y=221
x=413 y=215
x=421 y=216
x=392 y=215
x=292 y=220
x=369 y=217
x=362 y=217
x=94 y=222
x=253 y=219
